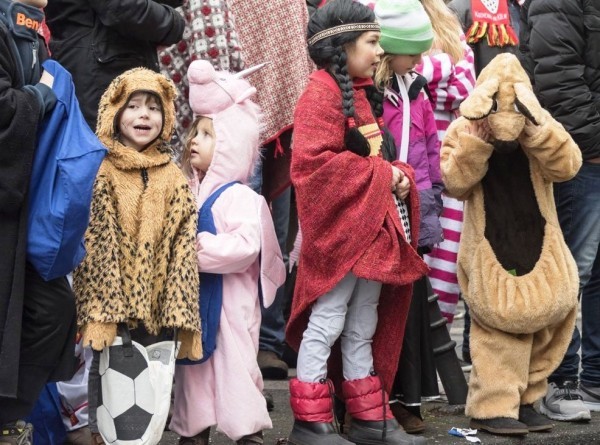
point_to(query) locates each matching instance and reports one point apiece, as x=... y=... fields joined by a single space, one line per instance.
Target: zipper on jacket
x=144 y=173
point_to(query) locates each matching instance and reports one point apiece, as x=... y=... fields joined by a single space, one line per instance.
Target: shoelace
x=332 y=396
x=564 y=392
x=20 y=432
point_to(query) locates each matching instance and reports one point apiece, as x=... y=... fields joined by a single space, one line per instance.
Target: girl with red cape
x=357 y=262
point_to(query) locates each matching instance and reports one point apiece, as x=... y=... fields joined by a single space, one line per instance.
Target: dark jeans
x=578 y=205
x=272 y=327
x=47 y=342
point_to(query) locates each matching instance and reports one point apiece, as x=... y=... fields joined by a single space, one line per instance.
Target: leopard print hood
x=115 y=98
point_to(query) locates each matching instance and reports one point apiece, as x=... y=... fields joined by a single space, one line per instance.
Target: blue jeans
x=578 y=206
x=272 y=327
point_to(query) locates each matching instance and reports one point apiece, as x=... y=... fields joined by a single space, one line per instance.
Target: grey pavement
x=439 y=418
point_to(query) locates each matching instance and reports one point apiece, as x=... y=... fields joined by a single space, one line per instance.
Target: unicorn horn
x=250 y=70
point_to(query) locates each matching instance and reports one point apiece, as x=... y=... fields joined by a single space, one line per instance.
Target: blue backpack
x=66 y=161
x=211 y=286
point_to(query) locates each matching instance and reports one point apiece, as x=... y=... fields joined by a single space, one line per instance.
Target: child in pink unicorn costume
x=220 y=154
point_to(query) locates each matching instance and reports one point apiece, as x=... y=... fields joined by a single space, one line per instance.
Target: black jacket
x=96 y=40
x=20 y=113
x=562 y=58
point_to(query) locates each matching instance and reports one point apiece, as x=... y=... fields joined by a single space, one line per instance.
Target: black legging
x=47 y=342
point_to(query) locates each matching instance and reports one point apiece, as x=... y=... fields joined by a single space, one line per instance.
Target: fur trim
x=512 y=370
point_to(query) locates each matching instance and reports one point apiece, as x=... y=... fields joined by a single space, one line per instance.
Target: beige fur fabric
x=141 y=257
x=521 y=324
x=497 y=390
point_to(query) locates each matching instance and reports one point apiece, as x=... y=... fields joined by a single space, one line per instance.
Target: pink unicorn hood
x=225 y=98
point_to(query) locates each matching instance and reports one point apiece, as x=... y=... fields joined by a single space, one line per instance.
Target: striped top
x=449 y=85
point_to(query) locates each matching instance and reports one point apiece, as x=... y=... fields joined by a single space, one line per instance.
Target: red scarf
x=491 y=17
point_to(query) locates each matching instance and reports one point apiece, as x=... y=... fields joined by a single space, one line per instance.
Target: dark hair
x=330 y=54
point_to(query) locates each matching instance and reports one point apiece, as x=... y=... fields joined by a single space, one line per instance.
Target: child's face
x=141 y=121
x=363 y=55
x=403 y=63
x=34 y=3
x=202 y=146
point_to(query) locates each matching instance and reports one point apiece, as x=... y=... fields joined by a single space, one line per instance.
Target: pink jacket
x=242 y=218
x=423 y=153
x=244 y=249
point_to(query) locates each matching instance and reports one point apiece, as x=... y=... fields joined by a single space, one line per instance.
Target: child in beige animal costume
x=515 y=271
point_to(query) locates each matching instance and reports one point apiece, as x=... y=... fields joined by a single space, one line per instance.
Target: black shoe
x=503 y=426
x=202 y=438
x=251 y=439
x=535 y=422
x=315 y=433
x=363 y=432
x=269 y=399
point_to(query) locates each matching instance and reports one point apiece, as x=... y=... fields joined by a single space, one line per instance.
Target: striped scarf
x=491 y=19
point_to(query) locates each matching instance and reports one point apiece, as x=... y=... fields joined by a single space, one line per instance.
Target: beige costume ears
x=480 y=102
x=502 y=86
x=527 y=103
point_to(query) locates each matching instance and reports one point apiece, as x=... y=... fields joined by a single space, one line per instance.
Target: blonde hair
x=446 y=29
x=384 y=72
x=186 y=166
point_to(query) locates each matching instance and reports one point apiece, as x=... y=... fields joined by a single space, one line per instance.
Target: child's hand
x=98 y=335
x=47 y=79
x=191 y=345
x=479 y=128
x=403 y=188
x=397 y=176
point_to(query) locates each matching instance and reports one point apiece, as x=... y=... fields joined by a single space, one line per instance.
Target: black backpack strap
x=123 y=331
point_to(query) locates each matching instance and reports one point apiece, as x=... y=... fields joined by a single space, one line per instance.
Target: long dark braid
x=388 y=146
x=353 y=139
x=329 y=53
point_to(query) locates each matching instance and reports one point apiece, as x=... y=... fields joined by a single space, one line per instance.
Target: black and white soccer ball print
x=126 y=399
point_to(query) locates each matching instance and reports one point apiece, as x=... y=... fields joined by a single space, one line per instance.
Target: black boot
x=535 y=422
x=315 y=433
x=372 y=421
x=312 y=406
x=502 y=426
x=366 y=432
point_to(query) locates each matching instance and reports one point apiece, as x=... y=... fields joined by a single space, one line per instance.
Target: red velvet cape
x=349 y=222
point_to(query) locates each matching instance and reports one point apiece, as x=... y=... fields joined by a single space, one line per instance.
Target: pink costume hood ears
x=214 y=91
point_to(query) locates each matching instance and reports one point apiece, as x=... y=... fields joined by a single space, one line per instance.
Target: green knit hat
x=405 y=26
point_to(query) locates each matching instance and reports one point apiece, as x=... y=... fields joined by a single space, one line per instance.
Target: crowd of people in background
x=277 y=192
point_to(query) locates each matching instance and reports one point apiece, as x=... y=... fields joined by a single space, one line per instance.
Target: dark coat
x=562 y=59
x=19 y=116
x=100 y=39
